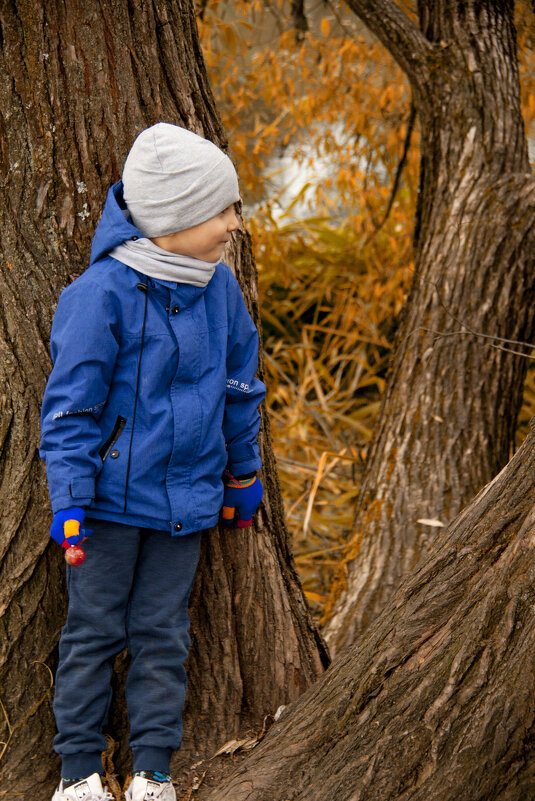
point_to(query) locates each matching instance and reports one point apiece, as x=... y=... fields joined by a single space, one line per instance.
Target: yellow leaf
x=325 y=26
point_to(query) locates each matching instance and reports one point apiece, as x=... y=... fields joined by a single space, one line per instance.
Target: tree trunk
x=80 y=80
x=448 y=415
x=437 y=702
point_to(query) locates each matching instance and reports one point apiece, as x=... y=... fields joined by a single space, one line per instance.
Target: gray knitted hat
x=174 y=179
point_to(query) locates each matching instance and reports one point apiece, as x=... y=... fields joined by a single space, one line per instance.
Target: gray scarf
x=146 y=257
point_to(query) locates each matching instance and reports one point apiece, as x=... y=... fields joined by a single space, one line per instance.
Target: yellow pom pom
x=71 y=528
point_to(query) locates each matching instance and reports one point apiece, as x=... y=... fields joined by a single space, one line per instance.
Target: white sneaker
x=89 y=789
x=145 y=790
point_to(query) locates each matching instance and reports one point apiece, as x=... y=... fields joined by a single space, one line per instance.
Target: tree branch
x=397 y=179
x=399 y=35
x=299 y=18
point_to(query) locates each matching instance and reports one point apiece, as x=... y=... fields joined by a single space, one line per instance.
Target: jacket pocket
x=114 y=436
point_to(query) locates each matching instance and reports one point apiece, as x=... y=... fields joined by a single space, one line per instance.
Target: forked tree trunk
x=448 y=415
x=79 y=81
x=437 y=702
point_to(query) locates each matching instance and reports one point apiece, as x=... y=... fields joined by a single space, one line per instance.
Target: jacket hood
x=114 y=227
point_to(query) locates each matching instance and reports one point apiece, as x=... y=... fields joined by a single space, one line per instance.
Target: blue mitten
x=242 y=496
x=66 y=528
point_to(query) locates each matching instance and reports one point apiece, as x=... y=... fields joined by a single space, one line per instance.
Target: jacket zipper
x=143 y=287
x=114 y=436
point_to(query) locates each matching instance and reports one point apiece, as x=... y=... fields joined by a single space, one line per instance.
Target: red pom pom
x=74 y=555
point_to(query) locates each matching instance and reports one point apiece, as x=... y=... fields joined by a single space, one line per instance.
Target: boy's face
x=205 y=241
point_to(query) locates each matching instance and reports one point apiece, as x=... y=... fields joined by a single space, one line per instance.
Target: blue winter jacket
x=153 y=391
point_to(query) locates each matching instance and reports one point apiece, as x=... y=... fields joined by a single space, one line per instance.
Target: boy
x=151 y=401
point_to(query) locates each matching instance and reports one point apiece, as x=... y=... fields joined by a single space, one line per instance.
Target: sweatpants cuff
x=81 y=765
x=152 y=758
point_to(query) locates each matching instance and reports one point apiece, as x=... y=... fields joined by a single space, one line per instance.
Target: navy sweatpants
x=132 y=589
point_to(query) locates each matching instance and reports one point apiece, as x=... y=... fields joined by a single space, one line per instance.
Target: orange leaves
x=328 y=309
x=334 y=92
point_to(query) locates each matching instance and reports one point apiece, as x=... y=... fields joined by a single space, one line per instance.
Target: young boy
x=149 y=427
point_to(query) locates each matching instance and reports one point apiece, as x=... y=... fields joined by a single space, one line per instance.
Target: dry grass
x=528 y=405
x=329 y=310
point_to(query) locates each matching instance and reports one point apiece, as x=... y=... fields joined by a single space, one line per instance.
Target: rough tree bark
x=79 y=81
x=448 y=414
x=437 y=702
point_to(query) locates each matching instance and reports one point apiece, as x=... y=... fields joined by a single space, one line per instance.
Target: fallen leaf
x=232 y=746
x=430 y=522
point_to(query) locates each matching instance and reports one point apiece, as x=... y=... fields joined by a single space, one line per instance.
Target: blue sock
x=153 y=775
x=70 y=782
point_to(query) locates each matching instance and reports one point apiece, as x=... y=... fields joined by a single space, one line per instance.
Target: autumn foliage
x=322 y=131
